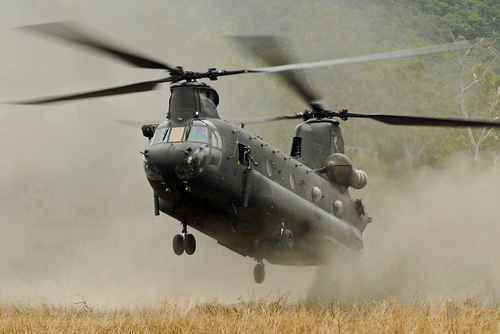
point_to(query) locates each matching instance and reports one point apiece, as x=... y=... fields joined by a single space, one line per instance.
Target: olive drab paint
x=238 y=189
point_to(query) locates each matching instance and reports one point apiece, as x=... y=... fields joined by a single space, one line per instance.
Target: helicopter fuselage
x=231 y=185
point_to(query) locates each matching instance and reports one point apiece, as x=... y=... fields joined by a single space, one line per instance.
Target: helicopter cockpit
x=198 y=143
x=199 y=131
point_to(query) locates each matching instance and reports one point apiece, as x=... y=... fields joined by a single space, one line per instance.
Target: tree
x=480 y=96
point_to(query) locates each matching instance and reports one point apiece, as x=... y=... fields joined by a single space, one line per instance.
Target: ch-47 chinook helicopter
x=218 y=178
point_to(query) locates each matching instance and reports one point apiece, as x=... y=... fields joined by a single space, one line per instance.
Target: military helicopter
x=216 y=177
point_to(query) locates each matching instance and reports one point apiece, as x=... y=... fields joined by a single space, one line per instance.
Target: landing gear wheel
x=282 y=240
x=259 y=274
x=276 y=240
x=178 y=244
x=189 y=244
x=287 y=240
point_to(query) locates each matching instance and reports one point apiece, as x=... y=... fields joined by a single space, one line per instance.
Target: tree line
x=465 y=83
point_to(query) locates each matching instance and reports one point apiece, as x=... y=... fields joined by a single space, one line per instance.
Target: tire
x=259 y=274
x=276 y=240
x=287 y=240
x=190 y=244
x=178 y=244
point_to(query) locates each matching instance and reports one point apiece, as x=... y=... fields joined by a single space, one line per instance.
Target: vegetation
x=470 y=19
x=454 y=84
x=275 y=316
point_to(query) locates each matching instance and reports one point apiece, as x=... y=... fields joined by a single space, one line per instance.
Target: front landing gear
x=259 y=273
x=186 y=243
x=282 y=239
x=178 y=244
x=189 y=244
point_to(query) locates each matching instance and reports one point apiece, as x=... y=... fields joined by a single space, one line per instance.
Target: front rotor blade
x=369 y=58
x=127 y=89
x=426 y=121
x=69 y=31
x=138 y=124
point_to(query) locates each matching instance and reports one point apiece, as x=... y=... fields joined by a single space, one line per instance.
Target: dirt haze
x=76 y=212
x=434 y=235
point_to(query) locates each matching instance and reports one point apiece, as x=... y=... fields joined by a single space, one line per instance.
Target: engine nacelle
x=359 y=179
x=338 y=169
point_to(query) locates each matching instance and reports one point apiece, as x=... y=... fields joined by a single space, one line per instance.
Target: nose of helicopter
x=180 y=160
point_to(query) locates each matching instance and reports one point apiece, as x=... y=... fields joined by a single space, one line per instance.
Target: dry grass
x=267 y=316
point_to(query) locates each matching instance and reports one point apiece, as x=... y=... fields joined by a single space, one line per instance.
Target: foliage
x=427 y=85
x=470 y=19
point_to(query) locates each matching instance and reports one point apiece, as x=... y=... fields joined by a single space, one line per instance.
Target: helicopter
x=214 y=176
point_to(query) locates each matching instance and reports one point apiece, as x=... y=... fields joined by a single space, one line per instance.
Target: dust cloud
x=77 y=224
x=76 y=212
x=434 y=235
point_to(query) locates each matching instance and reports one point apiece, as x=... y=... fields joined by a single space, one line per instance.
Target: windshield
x=176 y=135
x=199 y=134
x=160 y=135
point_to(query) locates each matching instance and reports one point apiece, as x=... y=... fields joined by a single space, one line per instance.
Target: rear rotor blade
x=264 y=119
x=369 y=58
x=272 y=51
x=387 y=119
x=127 y=89
x=424 y=121
x=70 y=32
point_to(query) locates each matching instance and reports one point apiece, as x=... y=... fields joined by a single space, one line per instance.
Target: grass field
x=265 y=316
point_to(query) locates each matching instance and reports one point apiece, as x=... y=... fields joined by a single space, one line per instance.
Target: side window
x=215 y=157
x=216 y=139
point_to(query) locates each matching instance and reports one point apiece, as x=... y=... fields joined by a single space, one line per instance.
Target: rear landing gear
x=186 y=243
x=282 y=239
x=259 y=274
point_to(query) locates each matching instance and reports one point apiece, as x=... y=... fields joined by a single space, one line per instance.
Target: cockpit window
x=200 y=134
x=176 y=135
x=160 y=135
x=197 y=134
x=216 y=139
